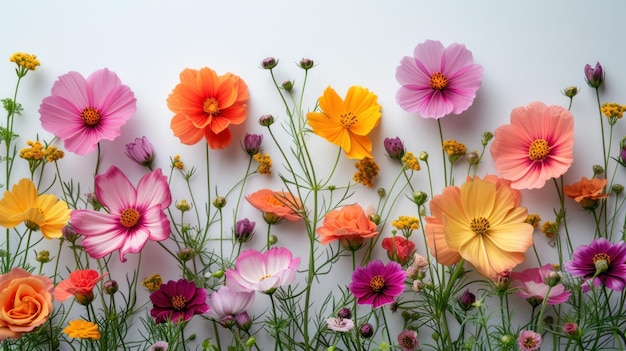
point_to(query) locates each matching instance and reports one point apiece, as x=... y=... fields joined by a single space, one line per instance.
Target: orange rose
x=398 y=249
x=587 y=192
x=276 y=205
x=25 y=302
x=349 y=224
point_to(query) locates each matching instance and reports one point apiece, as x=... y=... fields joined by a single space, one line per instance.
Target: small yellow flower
x=613 y=110
x=33 y=153
x=81 y=329
x=265 y=163
x=367 y=170
x=549 y=229
x=52 y=154
x=454 y=148
x=177 y=163
x=25 y=61
x=406 y=224
x=534 y=220
x=411 y=161
x=153 y=282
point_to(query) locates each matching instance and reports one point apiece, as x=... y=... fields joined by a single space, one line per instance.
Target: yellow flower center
x=438 y=81
x=348 y=119
x=480 y=225
x=601 y=257
x=265 y=277
x=538 y=150
x=130 y=217
x=91 y=116
x=530 y=343
x=377 y=283
x=178 y=302
x=211 y=106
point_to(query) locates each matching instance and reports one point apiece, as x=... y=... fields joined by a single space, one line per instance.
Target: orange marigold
x=587 y=192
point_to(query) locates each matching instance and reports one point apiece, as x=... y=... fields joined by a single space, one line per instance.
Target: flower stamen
x=91 y=116
x=480 y=225
x=349 y=119
x=438 y=81
x=377 y=283
x=211 y=106
x=539 y=149
x=129 y=217
x=601 y=256
x=178 y=302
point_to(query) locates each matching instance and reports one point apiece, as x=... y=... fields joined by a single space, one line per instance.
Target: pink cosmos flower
x=177 y=301
x=81 y=112
x=438 y=81
x=528 y=340
x=264 y=272
x=228 y=303
x=377 y=284
x=538 y=145
x=408 y=340
x=533 y=284
x=602 y=259
x=133 y=216
x=339 y=324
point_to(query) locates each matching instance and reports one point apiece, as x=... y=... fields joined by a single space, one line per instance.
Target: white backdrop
x=530 y=50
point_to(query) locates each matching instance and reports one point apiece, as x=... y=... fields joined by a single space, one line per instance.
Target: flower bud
x=617 y=188
x=554 y=278
x=183 y=206
x=287 y=85
x=43 y=256
x=269 y=63
x=375 y=218
x=570 y=91
x=344 y=313
x=110 y=287
x=395 y=148
x=597 y=169
x=69 y=233
x=420 y=197
x=487 y=136
x=472 y=158
x=228 y=321
x=84 y=298
x=218 y=274
x=185 y=254
x=141 y=151
x=572 y=331
x=594 y=76
x=366 y=330
x=381 y=192
x=243 y=321
x=423 y=156
x=252 y=143
x=273 y=239
x=466 y=300
x=266 y=120
x=244 y=230
x=251 y=341
x=306 y=63
x=219 y=202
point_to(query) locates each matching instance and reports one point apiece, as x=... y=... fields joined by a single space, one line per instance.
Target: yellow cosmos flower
x=39 y=212
x=347 y=123
x=480 y=222
x=80 y=329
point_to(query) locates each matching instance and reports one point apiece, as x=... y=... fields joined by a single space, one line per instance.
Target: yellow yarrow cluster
x=34 y=152
x=367 y=170
x=534 y=220
x=549 y=229
x=406 y=224
x=613 y=110
x=177 y=163
x=153 y=282
x=454 y=148
x=410 y=161
x=81 y=329
x=25 y=61
x=265 y=162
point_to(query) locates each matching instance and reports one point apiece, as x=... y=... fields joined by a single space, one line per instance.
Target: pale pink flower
x=133 y=216
x=438 y=80
x=533 y=284
x=226 y=302
x=81 y=112
x=264 y=272
x=529 y=340
x=339 y=324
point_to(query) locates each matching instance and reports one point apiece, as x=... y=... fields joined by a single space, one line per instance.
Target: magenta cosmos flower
x=81 y=112
x=601 y=261
x=377 y=284
x=438 y=81
x=177 y=301
x=229 y=303
x=538 y=145
x=264 y=272
x=133 y=216
x=533 y=284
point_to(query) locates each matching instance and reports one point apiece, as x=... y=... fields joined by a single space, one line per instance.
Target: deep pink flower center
x=601 y=257
x=129 y=217
x=91 y=116
x=538 y=150
x=349 y=119
x=438 y=81
x=479 y=225
x=178 y=302
x=377 y=283
x=211 y=106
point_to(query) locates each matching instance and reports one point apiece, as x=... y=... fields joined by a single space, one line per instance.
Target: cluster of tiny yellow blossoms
x=549 y=229
x=454 y=148
x=177 y=163
x=367 y=170
x=406 y=224
x=613 y=110
x=265 y=163
x=410 y=161
x=36 y=152
x=153 y=282
x=534 y=220
x=26 y=61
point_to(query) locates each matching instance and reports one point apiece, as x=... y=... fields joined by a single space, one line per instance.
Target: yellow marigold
x=177 y=163
x=25 y=61
x=53 y=154
x=265 y=162
x=533 y=219
x=406 y=224
x=613 y=110
x=549 y=229
x=367 y=170
x=153 y=282
x=454 y=148
x=411 y=161
x=81 y=329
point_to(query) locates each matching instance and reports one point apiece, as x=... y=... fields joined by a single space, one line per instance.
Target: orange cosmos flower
x=349 y=224
x=276 y=205
x=587 y=192
x=205 y=105
x=347 y=123
x=80 y=284
x=481 y=223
